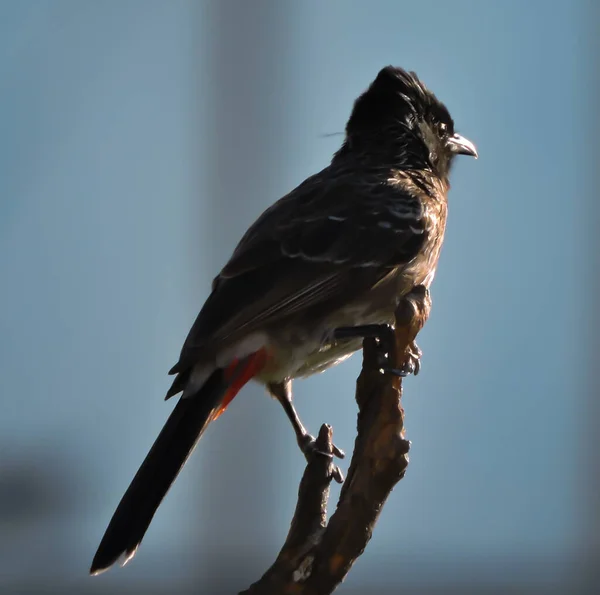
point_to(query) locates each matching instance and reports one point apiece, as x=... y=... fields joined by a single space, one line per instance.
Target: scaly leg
x=282 y=391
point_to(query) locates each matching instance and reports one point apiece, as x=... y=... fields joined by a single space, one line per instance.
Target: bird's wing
x=329 y=240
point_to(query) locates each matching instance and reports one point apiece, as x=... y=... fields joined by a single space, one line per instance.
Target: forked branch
x=317 y=555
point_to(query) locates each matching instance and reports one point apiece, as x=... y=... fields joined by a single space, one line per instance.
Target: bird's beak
x=462 y=146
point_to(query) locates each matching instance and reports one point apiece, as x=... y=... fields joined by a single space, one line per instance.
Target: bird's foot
x=308 y=446
x=385 y=345
x=385 y=338
x=412 y=364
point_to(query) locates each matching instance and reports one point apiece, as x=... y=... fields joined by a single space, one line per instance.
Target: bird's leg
x=384 y=333
x=282 y=391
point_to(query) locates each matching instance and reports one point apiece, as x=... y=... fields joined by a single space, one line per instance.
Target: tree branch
x=317 y=555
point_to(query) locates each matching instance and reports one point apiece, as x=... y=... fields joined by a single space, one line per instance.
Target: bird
x=319 y=270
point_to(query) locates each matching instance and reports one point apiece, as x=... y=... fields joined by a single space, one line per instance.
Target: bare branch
x=318 y=555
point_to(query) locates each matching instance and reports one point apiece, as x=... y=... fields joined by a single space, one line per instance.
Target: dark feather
x=313 y=242
x=158 y=471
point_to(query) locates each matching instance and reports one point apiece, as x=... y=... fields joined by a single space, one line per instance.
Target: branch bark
x=317 y=556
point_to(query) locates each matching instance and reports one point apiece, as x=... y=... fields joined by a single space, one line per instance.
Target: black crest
x=396 y=98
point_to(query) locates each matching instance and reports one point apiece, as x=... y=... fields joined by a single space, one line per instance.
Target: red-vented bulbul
x=321 y=268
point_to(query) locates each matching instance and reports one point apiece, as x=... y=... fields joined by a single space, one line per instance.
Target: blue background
x=139 y=139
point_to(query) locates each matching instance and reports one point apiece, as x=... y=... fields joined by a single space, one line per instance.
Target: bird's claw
x=412 y=363
x=308 y=445
x=385 y=341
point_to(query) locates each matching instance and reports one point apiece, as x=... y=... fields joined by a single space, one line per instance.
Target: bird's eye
x=443 y=127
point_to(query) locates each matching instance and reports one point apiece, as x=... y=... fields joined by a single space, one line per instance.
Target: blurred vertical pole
x=590 y=153
x=242 y=49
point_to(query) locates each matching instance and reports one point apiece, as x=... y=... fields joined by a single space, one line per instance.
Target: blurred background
x=139 y=139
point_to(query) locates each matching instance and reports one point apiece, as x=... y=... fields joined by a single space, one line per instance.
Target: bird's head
x=399 y=117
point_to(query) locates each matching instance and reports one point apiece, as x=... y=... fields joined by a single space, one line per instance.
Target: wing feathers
x=306 y=251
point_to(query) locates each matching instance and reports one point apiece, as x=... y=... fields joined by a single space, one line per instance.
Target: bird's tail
x=168 y=454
